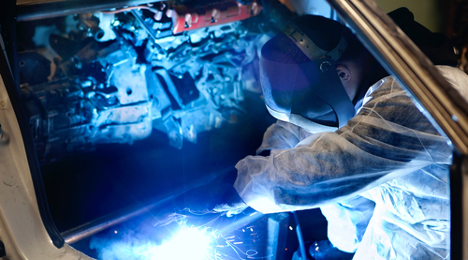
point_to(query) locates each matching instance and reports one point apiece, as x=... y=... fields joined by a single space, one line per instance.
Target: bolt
x=325 y=66
x=2 y=103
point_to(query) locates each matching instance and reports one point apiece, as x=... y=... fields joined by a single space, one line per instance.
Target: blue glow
x=187 y=243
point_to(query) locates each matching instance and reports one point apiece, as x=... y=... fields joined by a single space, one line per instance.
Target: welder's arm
x=388 y=138
x=281 y=135
x=219 y=195
x=284 y=135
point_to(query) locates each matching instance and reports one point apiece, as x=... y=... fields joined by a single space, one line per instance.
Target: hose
x=299 y=236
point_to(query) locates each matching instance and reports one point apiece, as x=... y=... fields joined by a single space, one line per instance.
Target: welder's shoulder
x=457 y=78
x=389 y=87
x=384 y=90
x=387 y=101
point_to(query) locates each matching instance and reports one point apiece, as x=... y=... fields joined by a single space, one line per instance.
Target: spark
x=200 y=242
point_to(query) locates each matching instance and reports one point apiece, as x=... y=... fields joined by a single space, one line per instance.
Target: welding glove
x=215 y=197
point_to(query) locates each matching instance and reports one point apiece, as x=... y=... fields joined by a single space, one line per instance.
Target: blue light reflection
x=187 y=243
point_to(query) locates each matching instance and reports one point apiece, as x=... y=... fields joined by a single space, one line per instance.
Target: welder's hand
x=211 y=198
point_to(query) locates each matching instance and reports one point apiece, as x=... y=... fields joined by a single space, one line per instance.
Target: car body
x=27 y=228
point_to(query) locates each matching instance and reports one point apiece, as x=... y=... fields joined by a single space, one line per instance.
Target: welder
x=349 y=140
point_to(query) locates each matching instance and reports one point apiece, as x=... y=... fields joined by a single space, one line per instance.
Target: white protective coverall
x=388 y=155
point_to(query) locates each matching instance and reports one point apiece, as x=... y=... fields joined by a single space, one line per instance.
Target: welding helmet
x=298 y=73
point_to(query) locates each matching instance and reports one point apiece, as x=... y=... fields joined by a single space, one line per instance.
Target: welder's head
x=300 y=70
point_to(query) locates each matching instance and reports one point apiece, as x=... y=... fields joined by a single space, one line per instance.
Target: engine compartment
x=114 y=76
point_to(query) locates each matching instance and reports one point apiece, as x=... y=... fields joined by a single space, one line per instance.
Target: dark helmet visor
x=311 y=90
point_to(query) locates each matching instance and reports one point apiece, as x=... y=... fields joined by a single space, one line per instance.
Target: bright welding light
x=187 y=243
